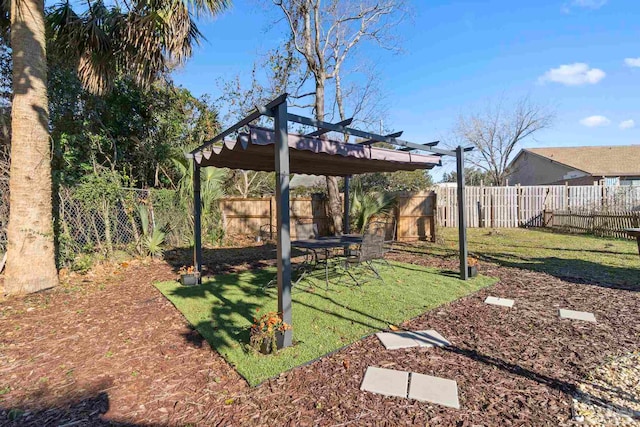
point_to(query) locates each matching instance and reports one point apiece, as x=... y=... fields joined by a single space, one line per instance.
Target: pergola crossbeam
x=364 y=134
x=426 y=144
x=373 y=141
x=319 y=132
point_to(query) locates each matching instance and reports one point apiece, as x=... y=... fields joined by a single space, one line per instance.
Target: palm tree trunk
x=30 y=249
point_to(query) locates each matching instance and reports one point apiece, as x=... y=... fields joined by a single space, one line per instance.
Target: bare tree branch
x=496 y=133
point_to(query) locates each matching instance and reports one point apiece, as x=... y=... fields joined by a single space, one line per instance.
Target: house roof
x=615 y=160
x=313 y=156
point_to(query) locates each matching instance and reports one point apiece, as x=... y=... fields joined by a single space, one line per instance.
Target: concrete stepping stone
x=397 y=340
x=429 y=338
x=408 y=339
x=577 y=315
x=504 y=302
x=387 y=382
x=441 y=391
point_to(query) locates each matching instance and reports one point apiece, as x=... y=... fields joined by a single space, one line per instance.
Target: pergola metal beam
x=373 y=141
x=426 y=144
x=366 y=135
x=319 y=132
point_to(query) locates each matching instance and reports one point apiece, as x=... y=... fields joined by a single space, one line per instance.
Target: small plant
x=153 y=243
x=472 y=266
x=152 y=237
x=264 y=331
x=188 y=275
x=83 y=263
x=187 y=270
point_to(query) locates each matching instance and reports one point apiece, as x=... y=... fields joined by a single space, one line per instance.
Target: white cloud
x=585 y=4
x=632 y=62
x=594 y=121
x=627 y=124
x=575 y=74
x=589 y=4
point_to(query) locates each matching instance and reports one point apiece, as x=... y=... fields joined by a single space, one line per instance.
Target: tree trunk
x=333 y=193
x=30 y=249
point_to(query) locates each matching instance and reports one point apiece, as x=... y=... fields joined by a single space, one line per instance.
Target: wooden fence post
x=519 y=205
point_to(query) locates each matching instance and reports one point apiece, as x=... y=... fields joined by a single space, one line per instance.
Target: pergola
x=283 y=153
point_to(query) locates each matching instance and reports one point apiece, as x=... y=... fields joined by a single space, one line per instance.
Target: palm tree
x=368 y=204
x=143 y=38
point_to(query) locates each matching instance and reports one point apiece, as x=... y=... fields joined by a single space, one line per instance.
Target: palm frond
x=142 y=41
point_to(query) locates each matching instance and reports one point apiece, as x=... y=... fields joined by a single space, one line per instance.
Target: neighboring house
x=612 y=165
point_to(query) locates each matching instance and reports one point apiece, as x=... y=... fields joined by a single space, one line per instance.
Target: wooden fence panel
x=246 y=216
x=415 y=216
x=418 y=213
x=606 y=224
x=523 y=206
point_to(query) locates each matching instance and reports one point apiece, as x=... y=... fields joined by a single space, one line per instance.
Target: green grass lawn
x=223 y=307
x=588 y=258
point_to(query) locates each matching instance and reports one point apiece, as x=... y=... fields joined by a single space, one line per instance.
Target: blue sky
x=459 y=55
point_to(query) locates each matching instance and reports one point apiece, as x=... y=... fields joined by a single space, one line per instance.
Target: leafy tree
x=417 y=180
x=131 y=129
x=472 y=176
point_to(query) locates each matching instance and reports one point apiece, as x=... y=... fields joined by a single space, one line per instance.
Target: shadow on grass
x=225 y=260
x=575 y=271
x=579 y=271
x=223 y=308
x=223 y=331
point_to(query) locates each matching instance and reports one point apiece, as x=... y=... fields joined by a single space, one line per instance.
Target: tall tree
x=325 y=36
x=496 y=132
x=144 y=38
x=30 y=248
x=472 y=176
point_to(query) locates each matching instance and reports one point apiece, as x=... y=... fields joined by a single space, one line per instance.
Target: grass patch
x=223 y=307
x=569 y=256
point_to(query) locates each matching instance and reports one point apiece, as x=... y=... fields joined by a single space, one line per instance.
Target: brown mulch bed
x=110 y=349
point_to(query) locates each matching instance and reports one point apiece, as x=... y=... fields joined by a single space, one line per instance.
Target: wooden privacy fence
x=523 y=206
x=412 y=219
x=606 y=224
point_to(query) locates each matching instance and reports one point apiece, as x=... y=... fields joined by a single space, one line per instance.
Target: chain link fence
x=118 y=225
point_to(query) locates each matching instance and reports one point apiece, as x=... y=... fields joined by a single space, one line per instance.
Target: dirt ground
x=108 y=349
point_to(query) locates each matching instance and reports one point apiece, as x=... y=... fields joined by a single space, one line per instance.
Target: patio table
x=326 y=244
x=634 y=232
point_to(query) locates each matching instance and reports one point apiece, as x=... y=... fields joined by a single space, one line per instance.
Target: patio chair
x=371 y=249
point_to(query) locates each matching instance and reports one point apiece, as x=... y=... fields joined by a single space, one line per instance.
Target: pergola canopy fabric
x=310 y=155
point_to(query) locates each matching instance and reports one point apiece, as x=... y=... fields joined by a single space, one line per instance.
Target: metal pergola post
x=197 y=221
x=284 y=339
x=462 y=215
